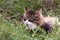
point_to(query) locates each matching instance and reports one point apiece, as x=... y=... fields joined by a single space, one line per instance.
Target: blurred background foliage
x=11 y=7
x=14 y=30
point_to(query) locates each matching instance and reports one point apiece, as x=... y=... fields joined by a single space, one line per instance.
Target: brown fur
x=33 y=16
x=36 y=17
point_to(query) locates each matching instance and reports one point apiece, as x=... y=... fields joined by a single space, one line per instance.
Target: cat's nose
x=26 y=23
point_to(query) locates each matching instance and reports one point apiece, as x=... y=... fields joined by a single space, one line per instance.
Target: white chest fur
x=29 y=25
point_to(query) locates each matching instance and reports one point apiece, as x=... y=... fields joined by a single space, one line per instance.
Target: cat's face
x=28 y=20
x=32 y=16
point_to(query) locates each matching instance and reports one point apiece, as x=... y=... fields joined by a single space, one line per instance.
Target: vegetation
x=12 y=29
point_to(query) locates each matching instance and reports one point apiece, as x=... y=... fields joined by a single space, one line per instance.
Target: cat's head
x=32 y=15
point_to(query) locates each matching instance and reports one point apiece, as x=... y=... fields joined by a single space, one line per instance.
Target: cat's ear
x=26 y=9
x=38 y=11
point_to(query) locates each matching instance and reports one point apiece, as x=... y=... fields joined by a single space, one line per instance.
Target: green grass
x=11 y=31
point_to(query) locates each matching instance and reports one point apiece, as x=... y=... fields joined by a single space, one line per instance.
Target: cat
x=36 y=18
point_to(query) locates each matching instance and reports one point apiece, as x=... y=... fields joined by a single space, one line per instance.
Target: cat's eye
x=30 y=20
x=24 y=19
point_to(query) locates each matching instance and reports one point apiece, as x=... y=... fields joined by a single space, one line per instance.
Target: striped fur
x=37 y=18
